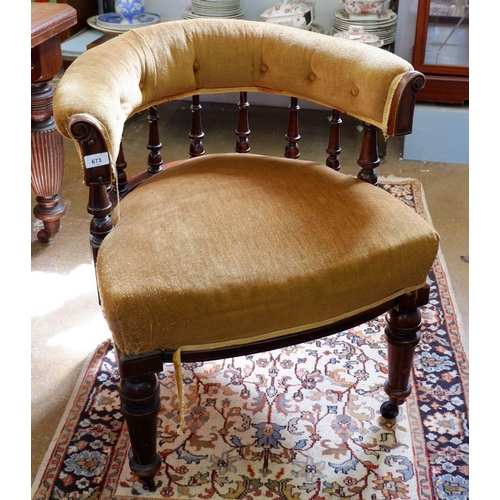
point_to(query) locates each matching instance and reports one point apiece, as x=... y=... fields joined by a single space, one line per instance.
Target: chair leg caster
x=149 y=484
x=389 y=411
x=146 y=473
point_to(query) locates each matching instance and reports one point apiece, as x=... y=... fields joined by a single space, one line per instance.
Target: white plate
x=374 y=28
x=386 y=38
x=218 y=2
x=216 y=5
x=188 y=14
x=204 y=7
x=366 y=25
x=215 y=12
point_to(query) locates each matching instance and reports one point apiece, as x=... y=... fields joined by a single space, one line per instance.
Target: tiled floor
x=66 y=321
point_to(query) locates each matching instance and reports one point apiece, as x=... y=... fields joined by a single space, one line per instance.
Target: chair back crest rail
x=143 y=68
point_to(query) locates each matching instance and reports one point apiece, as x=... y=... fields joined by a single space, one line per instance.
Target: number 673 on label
x=97 y=160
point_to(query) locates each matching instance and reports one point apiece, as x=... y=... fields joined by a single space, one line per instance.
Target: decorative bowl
x=129 y=9
x=364 y=6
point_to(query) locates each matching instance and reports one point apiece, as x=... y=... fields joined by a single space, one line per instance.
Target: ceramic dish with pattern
x=387 y=14
x=112 y=20
x=116 y=28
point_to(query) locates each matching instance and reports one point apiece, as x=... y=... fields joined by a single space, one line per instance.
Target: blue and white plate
x=113 y=21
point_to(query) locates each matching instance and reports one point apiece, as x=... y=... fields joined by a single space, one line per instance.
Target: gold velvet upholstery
x=229 y=249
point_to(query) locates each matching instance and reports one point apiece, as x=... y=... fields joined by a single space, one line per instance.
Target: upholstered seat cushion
x=225 y=248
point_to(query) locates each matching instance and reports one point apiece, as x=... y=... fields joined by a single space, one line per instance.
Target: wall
x=440 y=133
x=405 y=34
x=172 y=9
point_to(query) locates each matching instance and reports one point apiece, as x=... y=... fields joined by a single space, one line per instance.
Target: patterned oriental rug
x=301 y=423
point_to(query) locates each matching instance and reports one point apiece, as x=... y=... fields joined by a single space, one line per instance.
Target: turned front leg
x=403 y=334
x=140 y=404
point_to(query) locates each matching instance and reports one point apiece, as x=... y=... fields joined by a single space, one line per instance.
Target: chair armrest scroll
x=403 y=103
x=93 y=151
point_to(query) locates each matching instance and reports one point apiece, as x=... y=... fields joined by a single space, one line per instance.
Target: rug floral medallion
x=300 y=423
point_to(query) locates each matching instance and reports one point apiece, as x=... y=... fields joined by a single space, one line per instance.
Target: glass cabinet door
x=441 y=50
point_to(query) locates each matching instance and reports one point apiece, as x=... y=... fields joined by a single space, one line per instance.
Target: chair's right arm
x=98 y=176
x=403 y=104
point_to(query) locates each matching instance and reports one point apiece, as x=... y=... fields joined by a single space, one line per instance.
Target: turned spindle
x=196 y=135
x=243 y=129
x=155 y=160
x=333 y=148
x=293 y=136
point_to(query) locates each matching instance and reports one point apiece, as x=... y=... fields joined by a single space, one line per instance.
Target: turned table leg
x=47 y=160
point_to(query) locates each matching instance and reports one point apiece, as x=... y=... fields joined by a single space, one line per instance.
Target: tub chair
x=228 y=254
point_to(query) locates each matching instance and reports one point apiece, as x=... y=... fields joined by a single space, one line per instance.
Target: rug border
x=440 y=255
x=64 y=417
x=410 y=405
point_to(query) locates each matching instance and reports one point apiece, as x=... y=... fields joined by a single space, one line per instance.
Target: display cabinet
x=441 y=50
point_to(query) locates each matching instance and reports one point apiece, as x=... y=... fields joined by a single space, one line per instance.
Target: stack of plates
x=382 y=25
x=214 y=8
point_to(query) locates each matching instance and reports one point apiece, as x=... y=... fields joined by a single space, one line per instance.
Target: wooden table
x=48 y=21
